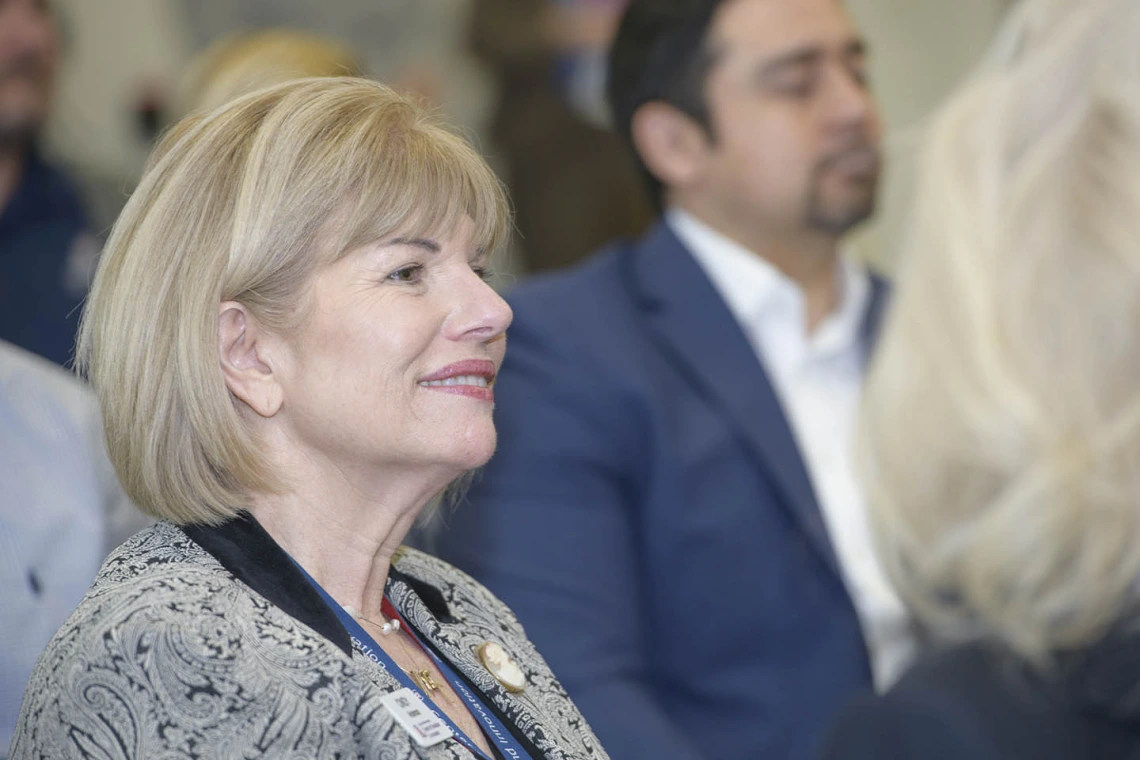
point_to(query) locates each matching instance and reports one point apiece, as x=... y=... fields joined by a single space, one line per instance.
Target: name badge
x=426 y=728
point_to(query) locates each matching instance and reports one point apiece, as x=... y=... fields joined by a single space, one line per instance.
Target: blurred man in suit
x=46 y=253
x=672 y=510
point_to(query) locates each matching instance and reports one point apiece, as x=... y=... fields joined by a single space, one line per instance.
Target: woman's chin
x=477 y=459
x=476 y=449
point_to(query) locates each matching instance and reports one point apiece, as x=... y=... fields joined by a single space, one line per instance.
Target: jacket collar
x=247 y=551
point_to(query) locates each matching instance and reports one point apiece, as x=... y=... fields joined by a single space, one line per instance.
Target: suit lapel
x=693 y=326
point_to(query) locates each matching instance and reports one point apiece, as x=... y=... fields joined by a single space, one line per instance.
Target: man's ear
x=671 y=143
x=243 y=351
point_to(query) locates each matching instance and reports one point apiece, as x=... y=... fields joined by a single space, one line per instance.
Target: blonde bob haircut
x=244 y=204
x=1001 y=430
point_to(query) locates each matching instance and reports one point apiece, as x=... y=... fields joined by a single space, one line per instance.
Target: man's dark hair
x=660 y=53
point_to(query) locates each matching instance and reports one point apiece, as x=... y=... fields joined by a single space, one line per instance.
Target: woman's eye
x=483 y=273
x=409 y=273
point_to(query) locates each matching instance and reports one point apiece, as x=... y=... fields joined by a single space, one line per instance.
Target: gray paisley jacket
x=208 y=643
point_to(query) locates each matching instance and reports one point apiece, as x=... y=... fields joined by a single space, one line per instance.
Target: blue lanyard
x=496 y=733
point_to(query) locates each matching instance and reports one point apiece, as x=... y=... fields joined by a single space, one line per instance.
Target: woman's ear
x=671 y=143
x=243 y=351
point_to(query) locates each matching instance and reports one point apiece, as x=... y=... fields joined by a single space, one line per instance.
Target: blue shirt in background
x=61 y=510
x=46 y=256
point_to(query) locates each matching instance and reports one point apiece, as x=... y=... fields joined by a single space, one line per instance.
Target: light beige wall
x=115 y=49
x=920 y=49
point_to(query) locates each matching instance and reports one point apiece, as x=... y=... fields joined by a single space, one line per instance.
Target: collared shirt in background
x=61 y=511
x=818 y=378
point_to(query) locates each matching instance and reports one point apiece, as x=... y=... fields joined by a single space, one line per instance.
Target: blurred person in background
x=294 y=350
x=573 y=184
x=61 y=511
x=1001 y=432
x=46 y=253
x=412 y=45
x=672 y=511
x=246 y=62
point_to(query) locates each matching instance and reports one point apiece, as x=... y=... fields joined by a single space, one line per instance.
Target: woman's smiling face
x=395 y=363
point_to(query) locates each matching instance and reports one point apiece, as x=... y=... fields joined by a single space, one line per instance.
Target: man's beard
x=839 y=217
x=18 y=126
x=17 y=131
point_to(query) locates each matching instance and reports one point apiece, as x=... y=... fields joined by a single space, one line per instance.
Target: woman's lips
x=473 y=378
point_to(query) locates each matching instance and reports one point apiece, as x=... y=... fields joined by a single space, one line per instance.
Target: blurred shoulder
x=32 y=385
x=576 y=291
x=928 y=714
x=969 y=701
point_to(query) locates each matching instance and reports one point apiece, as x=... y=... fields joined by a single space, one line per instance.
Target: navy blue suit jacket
x=649 y=518
x=38 y=232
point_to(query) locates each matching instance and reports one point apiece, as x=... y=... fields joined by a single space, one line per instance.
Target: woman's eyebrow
x=426 y=244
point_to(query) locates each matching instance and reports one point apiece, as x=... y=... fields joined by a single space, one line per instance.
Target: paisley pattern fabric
x=171 y=656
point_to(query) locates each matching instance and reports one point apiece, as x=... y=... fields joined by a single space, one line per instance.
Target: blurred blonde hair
x=1001 y=430
x=245 y=203
x=238 y=65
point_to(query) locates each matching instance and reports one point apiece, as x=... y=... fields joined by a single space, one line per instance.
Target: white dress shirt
x=818 y=378
x=61 y=510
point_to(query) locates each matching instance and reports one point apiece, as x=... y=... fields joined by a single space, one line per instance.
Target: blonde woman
x=294 y=351
x=1002 y=419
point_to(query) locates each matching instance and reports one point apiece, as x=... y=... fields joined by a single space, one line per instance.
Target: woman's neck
x=344 y=530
